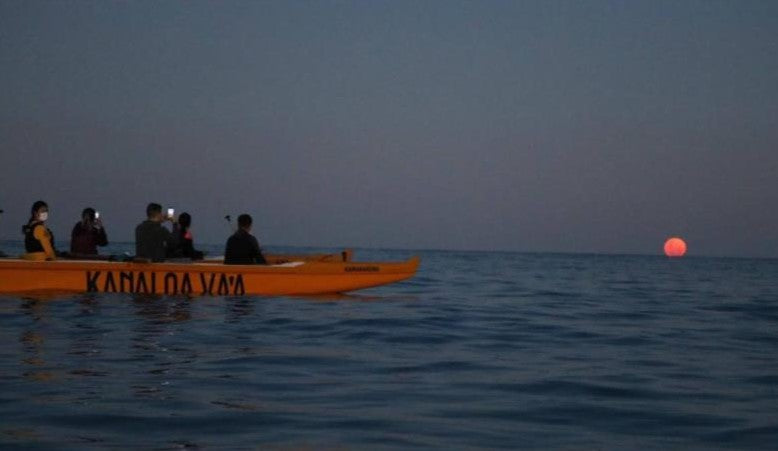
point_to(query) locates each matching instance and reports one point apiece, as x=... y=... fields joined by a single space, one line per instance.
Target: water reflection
x=160 y=356
x=88 y=336
x=33 y=343
x=33 y=307
x=89 y=303
x=162 y=309
x=354 y=297
x=238 y=308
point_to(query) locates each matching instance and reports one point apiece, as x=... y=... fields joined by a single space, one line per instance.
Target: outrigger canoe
x=293 y=278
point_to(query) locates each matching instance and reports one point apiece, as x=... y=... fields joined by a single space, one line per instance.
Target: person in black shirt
x=87 y=234
x=185 y=246
x=152 y=241
x=242 y=247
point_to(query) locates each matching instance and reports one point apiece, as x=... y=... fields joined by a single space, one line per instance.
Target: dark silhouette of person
x=152 y=241
x=242 y=247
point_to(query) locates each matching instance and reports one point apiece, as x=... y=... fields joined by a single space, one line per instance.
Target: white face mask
x=43 y=216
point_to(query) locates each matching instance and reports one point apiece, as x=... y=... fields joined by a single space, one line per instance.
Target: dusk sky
x=580 y=126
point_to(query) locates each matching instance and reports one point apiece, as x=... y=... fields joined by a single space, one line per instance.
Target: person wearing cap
x=87 y=234
x=242 y=247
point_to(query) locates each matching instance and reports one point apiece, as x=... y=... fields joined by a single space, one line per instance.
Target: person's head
x=184 y=220
x=154 y=212
x=244 y=222
x=39 y=211
x=88 y=215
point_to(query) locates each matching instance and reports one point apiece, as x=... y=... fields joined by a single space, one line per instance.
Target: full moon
x=675 y=247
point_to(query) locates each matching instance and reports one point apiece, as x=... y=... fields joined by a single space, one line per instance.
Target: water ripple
x=479 y=351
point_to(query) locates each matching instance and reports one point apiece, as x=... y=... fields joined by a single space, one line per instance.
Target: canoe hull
x=19 y=276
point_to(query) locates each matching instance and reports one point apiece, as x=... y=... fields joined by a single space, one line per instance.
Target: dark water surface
x=479 y=350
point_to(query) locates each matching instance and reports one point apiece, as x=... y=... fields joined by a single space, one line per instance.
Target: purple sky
x=528 y=126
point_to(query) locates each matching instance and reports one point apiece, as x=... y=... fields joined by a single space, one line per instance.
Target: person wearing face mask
x=87 y=235
x=242 y=247
x=38 y=239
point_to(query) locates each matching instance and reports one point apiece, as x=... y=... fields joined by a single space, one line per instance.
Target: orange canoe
x=294 y=278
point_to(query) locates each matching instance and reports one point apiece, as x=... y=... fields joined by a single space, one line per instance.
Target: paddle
x=229 y=223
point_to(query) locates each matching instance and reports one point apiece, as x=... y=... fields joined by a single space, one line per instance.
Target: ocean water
x=479 y=351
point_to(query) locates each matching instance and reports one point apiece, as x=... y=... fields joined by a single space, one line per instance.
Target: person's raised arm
x=102 y=237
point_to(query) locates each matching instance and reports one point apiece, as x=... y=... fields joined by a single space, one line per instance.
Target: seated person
x=152 y=241
x=185 y=246
x=87 y=234
x=38 y=239
x=242 y=247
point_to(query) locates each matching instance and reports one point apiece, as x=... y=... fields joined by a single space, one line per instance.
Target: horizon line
x=498 y=251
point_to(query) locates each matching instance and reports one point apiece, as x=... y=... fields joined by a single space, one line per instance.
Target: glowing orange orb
x=675 y=247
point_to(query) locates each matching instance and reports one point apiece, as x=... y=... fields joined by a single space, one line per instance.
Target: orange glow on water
x=675 y=247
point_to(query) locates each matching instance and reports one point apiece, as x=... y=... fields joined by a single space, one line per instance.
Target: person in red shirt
x=87 y=234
